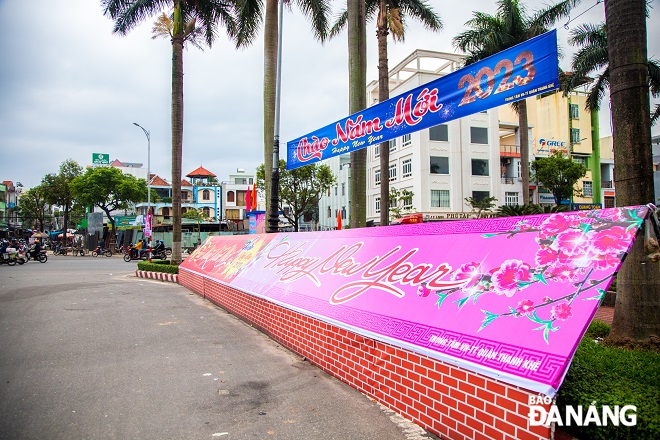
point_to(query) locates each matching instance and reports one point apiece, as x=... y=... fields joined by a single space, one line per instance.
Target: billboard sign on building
x=507 y=297
x=517 y=73
x=100 y=159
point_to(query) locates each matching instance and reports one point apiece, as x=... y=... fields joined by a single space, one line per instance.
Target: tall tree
x=317 y=11
x=58 y=191
x=490 y=34
x=357 y=100
x=637 y=311
x=208 y=15
x=302 y=188
x=390 y=19
x=592 y=57
x=558 y=174
x=32 y=207
x=109 y=189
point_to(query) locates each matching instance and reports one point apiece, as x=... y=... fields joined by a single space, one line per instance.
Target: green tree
x=481 y=205
x=33 y=207
x=186 y=16
x=637 y=310
x=58 y=192
x=400 y=200
x=390 y=19
x=199 y=216
x=592 y=57
x=357 y=100
x=558 y=174
x=109 y=189
x=490 y=34
x=301 y=188
x=317 y=11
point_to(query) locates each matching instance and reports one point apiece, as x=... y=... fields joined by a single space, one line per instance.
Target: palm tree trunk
x=177 y=143
x=357 y=100
x=524 y=149
x=383 y=95
x=270 y=77
x=637 y=311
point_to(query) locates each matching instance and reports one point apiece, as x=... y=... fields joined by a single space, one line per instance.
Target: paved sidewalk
x=605 y=314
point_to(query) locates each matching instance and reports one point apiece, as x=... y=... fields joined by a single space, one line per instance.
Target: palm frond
x=655 y=115
x=340 y=23
x=597 y=91
x=588 y=34
x=317 y=11
x=548 y=16
x=249 y=14
x=162 y=27
x=654 y=77
x=422 y=12
x=589 y=59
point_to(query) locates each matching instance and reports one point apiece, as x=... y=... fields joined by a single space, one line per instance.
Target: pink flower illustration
x=610 y=240
x=563 y=273
x=555 y=224
x=572 y=243
x=546 y=299
x=605 y=261
x=506 y=278
x=468 y=271
x=545 y=256
x=562 y=311
x=525 y=306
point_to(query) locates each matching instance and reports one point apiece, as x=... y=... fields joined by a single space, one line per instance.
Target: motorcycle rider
x=36 y=249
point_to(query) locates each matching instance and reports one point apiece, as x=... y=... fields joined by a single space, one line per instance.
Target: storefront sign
x=551 y=146
x=507 y=297
x=585 y=206
x=100 y=159
x=517 y=73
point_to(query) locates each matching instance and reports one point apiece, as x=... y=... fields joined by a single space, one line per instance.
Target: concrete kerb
x=169 y=277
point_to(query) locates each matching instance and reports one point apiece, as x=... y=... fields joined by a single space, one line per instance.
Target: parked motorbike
x=101 y=251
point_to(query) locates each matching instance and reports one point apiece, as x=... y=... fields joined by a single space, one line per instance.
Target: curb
x=173 y=278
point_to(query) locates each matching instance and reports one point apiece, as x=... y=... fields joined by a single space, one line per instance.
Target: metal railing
x=508 y=180
x=510 y=149
x=606 y=184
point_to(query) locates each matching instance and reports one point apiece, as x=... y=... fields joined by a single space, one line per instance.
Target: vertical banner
x=147 y=224
x=508 y=297
x=519 y=72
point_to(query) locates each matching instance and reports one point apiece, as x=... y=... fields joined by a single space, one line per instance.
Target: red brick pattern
x=449 y=401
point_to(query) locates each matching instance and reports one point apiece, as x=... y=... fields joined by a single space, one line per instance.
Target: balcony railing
x=508 y=180
x=509 y=150
x=606 y=184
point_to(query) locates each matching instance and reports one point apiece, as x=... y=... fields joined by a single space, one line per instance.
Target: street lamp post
x=274 y=217
x=146 y=133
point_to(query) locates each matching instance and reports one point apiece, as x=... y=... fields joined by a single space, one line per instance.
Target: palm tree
x=511 y=25
x=357 y=100
x=637 y=310
x=208 y=14
x=390 y=18
x=592 y=57
x=317 y=11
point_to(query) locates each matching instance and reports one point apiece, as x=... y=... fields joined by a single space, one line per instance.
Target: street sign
x=100 y=159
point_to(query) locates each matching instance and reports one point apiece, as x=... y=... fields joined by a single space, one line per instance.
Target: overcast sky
x=70 y=88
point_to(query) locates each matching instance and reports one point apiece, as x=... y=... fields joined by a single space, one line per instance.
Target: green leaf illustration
x=540 y=277
x=441 y=298
x=488 y=235
x=490 y=317
x=586 y=227
x=461 y=302
x=599 y=297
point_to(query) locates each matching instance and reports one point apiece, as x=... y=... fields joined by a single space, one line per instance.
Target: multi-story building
x=235 y=194
x=338 y=198
x=3 y=208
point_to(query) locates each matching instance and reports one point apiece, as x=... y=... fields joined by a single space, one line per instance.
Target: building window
x=575 y=111
x=233 y=214
x=580 y=159
x=230 y=196
x=478 y=196
x=377 y=150
x=251 y=180
x=336 y=189
x=240 y=181
x=439 y=198
x=511 y=198
x=207 y=212
x=406 y=168
x=439 y=165
x=480 y=167
x=377 y=205
x=377 y=177
x=609 y=202
x=343 y=189
x=329 y=212
x=575 y=135
x=392 y=144
x=166 y=213
x=240 y=198
x=206 y=195
x=406 y=140
x=343 y=212
x=392 y=172
x=439 y=133
x=479 y=135
x=408 y=202
x=587 y=188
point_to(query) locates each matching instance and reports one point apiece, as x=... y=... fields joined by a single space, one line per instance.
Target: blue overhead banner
x=519 y=72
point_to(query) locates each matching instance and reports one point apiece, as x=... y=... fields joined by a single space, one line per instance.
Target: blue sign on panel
x=519 y=72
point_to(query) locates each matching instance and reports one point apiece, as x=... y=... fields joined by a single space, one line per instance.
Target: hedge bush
x=612 y=376
x=159 y=266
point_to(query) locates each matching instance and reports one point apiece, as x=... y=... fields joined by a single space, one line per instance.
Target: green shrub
x=158 y=266
x=613 y=376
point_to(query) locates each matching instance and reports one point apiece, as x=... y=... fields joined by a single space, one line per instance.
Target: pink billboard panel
x=507 y=297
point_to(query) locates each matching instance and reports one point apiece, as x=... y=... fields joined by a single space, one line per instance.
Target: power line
x=572 y=19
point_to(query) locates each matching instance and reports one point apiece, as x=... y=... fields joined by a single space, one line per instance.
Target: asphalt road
x=88 y=351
